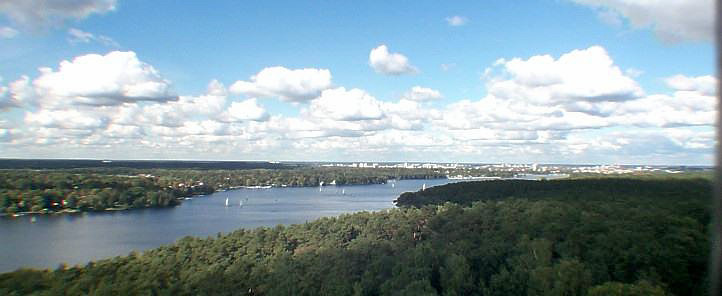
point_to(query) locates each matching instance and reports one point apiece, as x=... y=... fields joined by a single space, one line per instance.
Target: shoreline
x=260 y=187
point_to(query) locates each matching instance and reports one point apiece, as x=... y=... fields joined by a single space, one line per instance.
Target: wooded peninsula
x=99 y=189
x=594 y=236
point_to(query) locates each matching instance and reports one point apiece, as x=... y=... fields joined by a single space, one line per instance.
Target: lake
x=79 y=238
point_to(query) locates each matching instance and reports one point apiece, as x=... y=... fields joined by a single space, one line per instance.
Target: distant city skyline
x=572 y=81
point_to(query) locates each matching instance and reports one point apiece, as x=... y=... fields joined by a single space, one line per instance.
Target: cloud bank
x=576 y=107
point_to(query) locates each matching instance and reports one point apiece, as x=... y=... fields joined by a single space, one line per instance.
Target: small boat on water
x=332 y=182
x=343 y=191
x=258 y=187
x=423 y=187
x=226 y=202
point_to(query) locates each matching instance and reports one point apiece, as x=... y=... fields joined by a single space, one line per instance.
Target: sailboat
x=423 y=187
x=343 y=191
x=241 y=203
x=393 y=185
x=226 y=201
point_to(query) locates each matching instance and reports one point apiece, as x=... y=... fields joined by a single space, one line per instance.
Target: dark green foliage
x=55 y=191
x=551 y=238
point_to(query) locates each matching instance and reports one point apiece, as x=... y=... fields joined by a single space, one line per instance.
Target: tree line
x=97 y=189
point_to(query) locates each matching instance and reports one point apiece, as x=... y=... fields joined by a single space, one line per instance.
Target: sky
x=538 y=81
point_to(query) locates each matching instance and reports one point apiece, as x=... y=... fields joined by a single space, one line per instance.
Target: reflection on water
x=79 y=238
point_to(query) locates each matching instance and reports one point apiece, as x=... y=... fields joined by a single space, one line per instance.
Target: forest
x=602 y=236
x=97 y=189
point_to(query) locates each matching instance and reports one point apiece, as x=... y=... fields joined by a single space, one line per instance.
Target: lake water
x=79 y=238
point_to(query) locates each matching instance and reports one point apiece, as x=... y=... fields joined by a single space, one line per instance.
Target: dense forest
x=97 y=189
x=615 y=236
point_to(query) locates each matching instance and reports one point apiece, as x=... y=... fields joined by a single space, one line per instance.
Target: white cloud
x=111 y=79
x=6 y=100
x=124 y=131
x=297 y=86
x=345 y=105
x=7 y=32
x=586 y=74
x=456 y=20
x=418 y=93
x=583 y=89
x=66 y=119
x=706 y=85
x=671 y=20
x=382 y=61
x=43 y=13
x=683 y=108
x=174 y=113
x=204 y=127
x=245 y=110
x=536 y=108
x=79 y=36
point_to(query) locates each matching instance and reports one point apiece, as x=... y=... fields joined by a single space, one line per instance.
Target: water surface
x=79 y=238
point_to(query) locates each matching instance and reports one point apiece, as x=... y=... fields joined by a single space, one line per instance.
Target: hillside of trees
x=566 y=237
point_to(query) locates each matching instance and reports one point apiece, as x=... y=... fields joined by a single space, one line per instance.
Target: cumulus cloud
x=345 y=105
x=245 y=110
x=586 y=74
x=556 y=108
x=124 y=131
x=581 y=90
x=111 y=79
x=66 y=119
x=385 y=62
x=418 y=93
x=7 y=32
x=79 y=36
x=42 y=13
x=6 y=100
x=672 y=20
x=706 y=85
x=300 y=85
x=693 y=105
x=456 y=20
x=174 y=113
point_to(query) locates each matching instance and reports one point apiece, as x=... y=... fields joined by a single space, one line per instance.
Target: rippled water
x=79 y=238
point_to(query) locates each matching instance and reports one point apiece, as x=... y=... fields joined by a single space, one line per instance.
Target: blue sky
x=647 y=83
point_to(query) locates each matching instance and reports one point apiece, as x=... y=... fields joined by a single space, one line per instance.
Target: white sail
x=226 y=201
x=393 y=185
x=343 y=191
x=423 y=187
